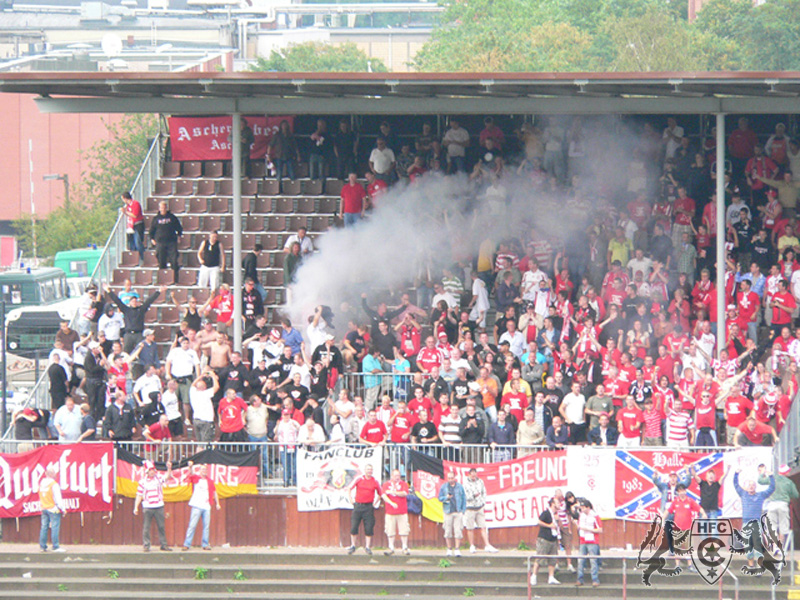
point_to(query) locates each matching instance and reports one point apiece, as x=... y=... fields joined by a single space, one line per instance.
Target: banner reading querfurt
x=206 y=138
x=517 y=490
x=85 y=475
x=324 y=478
x=638 y=498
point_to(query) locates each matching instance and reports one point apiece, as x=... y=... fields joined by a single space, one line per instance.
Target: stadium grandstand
x=588 y=281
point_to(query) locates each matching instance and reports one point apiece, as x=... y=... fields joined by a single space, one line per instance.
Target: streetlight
x=59 y=177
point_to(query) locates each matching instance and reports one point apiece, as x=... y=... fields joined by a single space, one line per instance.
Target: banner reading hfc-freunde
x=517 y=490
x=324 y=478
x=85 y=475
x=207 y=138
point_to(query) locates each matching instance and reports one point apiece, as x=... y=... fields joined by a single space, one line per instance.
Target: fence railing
x=275 y=476
x=397 y=385
x=143 y=186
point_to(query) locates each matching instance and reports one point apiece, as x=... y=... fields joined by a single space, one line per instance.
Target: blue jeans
x=714 y=514
x=52 y=521
x=351 y=219
x=194 y=517
x=316 y=166
x=457 y=164
x=289 y=464
x=591 y=550
x=264 y=448
x=279 y=164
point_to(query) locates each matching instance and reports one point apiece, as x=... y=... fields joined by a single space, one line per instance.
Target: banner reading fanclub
x=206 y=138
x=324 y=478
x=517 y=490
x=85 y=474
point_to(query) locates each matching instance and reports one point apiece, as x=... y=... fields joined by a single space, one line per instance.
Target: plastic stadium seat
x=261 y=206
x=190 y=260
x=219 y=205
x=226 y=239
x=185 y=241
x=249 y=187
x=318 y=224
x=143 y=277
x=277 y=223
x=274 y=278
x=193 y=169
x=291 y=188
x=206 y=187
x=258 y=170
x=284 y=205
x=187 y=277
x=151 y=205
x=306 y=205
x=277 y=259
x=177 y=205
x=184 y=187
x=270 y=187
x=148 y=221
x=295 y=222
x=248 y=241
x=270 y=242
x=313 y=187
x=181 y=295
x=212 y=223
x=190 y=223
x=130 y=259
x=226 y=187
x=333 y=187
x=264 y=259
x=163 y=188
x=214 y=169
x=254 y=223
x=170 y=315
x=198 y=205
x=328 y=205
x=165 y=277
x=150 y=259
x=201 y=295
x=120 y=275
x=272 y=297
x=163 y=333
x=151 y=316
x=172 y=170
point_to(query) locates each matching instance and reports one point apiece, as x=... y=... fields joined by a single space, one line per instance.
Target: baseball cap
x=93 y=345
x=147 y=332
x=784 y=469
x=275 y=334
x=148 y=464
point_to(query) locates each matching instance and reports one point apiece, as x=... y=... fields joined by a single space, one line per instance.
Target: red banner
x=207 y=138
x=85 y=475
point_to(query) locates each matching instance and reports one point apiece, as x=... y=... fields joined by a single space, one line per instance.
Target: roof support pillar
x=720 y=208
x=236 y=258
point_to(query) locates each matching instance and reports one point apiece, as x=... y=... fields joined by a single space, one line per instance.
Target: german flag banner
x=516 y=490
x=234 y=473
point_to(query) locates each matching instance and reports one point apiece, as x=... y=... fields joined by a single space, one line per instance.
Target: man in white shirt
x=112 y=323
x=530 y=281
x=672 y=137
x=301 y=237
x=456 y=141
x=441 y=294
x=480 y=301
x=202 y=406
x=172 y=408
x=182 y=365
x=639 y=263
x=573 y=410
x=203 y=492
x=515 y=339
x=382 y=161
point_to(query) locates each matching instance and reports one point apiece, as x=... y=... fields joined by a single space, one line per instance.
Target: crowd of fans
x=604 y=335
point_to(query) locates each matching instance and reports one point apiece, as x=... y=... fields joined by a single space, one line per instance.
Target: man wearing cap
x=777 y=504
x=150 y=496
x=134 y=315
x=146 y=355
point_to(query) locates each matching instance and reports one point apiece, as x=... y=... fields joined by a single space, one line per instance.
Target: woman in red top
x=679 y=310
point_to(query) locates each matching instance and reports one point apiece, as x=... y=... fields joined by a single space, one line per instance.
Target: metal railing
x=397 y=385
x=143 y=186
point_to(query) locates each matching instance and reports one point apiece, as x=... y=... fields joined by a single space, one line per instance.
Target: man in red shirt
x=401 y=423
x=135 y=224
x=363 y=492
x=737 y=409
x=753 y=433
x=396 y=518
x=683 y=510
x=351 y=205
x=375 y=189
x=157 y=433
x=429 y=356
x=629 y=424
x=783 y=304
x=222 y=305
x=374 y=431
x=684 y=212
x=232 y=410
x=741 y=142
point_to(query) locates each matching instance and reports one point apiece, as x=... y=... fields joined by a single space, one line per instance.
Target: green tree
x=319 y=57
x=113 y=164
x=771 y=37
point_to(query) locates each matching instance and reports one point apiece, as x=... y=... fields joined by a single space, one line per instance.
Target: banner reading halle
x=207 y=138
x=517 y=490
x=234 y=474
x=324 y=478
x=85 y=475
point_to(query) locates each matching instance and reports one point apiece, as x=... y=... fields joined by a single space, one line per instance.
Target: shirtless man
x=219 y=352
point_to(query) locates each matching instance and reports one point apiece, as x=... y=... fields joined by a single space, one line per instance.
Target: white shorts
x=626 y=442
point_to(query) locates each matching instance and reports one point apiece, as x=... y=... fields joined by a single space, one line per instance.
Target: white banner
x=591 y=475
x=746 y=459
x=324 y=478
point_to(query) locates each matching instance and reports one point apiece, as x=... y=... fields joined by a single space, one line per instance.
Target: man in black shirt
x=59 y=385
x=331 y=352
x=709 y=491
x=384 y=339
x=250 y=268
x=424 y=432
x=236 y=376
x=94 y=365
x=547 y=542
x=164 y=233
x=252 y=305
x=380 y=314
x=134 y=314
x=119 y=422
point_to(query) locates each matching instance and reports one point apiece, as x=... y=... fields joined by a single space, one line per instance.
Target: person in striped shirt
x=150 y=496
x=680 y=427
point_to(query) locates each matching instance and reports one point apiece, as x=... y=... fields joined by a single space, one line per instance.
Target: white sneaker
x=472 y=549
x=457 y=552
x=553 y=581
x=491 y=549
x=449 y=552
x=570 y=568
x=533 y=580
x=59 y=549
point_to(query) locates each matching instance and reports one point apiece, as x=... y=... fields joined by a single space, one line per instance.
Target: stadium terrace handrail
x=143 y=186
